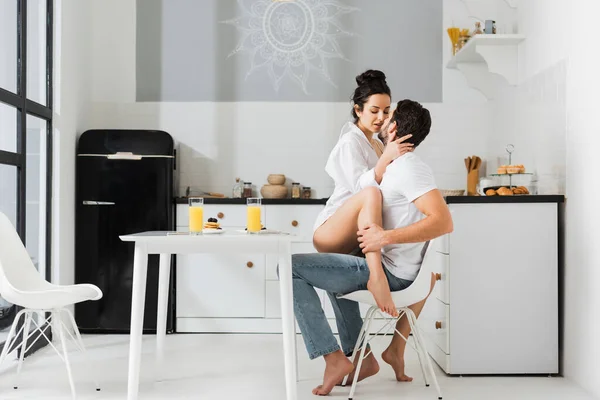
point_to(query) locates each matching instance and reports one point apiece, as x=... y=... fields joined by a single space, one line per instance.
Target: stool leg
x=425 y=354
x=362 y=355
x=28 y=317
x=361 y=336
x=11 y=336
x=63 y=341
x=418 y=347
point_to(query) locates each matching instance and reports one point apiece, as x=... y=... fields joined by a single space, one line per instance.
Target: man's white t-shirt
x=406 y=179
x=351 y=165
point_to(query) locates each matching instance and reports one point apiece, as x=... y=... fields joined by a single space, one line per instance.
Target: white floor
x=248 y=367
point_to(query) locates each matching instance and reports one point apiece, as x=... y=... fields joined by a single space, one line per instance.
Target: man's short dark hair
x=412 y=118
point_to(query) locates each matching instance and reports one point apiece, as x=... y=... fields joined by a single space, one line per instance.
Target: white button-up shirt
x=351 y=165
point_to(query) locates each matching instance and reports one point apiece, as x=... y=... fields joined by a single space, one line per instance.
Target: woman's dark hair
x=369 y=83
x=412 y=118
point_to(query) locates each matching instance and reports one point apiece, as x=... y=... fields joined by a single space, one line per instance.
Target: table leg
x=287 y=319
x=140 y=271
x=164 y=275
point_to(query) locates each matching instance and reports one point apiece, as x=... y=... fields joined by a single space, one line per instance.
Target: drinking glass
x=253 y=214
x=196 y=209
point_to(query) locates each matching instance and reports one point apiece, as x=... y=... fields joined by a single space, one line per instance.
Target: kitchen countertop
x=553 y=198
x=216 y=200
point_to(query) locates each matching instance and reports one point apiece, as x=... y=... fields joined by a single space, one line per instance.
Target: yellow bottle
x=253 y=221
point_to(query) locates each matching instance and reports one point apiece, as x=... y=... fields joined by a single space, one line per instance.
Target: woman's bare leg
x=338 y=235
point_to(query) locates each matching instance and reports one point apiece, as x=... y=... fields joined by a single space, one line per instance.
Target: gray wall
x=301 y=50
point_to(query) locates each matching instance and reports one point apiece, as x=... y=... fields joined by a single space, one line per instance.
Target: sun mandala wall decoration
x=290 y=39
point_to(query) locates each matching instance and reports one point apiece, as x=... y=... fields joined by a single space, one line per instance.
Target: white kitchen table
x=168 y=243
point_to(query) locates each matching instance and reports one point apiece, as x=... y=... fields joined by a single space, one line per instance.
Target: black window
x=26 y=38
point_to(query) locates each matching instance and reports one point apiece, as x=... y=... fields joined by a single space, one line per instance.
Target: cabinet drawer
x=442 y=244
x=434 y=322
x=297 y=220
x=297 y=248
x=220 y=286
x=440 y=268
x=441 y=358
x=229 y=215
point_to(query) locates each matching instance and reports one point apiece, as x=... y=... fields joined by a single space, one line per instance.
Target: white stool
x=416 y=292
x=21 y=284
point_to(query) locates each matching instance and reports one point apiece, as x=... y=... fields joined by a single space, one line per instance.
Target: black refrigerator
x=124 y=184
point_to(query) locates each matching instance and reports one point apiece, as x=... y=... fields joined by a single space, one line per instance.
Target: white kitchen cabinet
x=494 y=309
x=220 y=286
x=217 y=293
x=298 y=220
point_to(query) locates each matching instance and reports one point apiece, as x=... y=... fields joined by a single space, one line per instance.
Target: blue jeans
x=336 y=274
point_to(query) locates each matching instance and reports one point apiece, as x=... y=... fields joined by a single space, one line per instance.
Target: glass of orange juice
x=253 y=216
x=196 y=210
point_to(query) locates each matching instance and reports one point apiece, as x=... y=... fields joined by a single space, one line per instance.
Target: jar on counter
x=295 y=190
x=237 y=189
x=306 y=192
x=247 y=190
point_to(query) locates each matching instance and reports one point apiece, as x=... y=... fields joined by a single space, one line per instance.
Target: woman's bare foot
x=369 y=367
x=391 y=357
x=336 y=367
x=380 y=289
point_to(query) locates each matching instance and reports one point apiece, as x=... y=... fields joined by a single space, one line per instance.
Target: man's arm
x=437 y=222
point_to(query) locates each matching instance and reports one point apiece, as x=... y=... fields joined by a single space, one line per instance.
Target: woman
x=356 y=165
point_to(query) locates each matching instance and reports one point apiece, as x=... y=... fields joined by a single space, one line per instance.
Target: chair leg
x=11 y=336
x=63 y=341
x=27 y=324
x=362 y=355
x=361 y=337
x=418 y=347
x=422 y=344
x=81 y=346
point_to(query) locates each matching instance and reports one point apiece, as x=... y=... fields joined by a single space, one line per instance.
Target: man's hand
x=371 y=238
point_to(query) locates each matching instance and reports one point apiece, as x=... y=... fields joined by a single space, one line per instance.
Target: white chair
x=21 y=284
x=416 y=292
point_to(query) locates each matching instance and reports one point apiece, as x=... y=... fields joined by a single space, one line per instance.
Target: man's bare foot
x=369 y=367
x=380 y=289
x=391 y=357
x=336 y=367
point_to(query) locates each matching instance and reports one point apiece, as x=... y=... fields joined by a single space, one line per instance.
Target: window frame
x=25 y=107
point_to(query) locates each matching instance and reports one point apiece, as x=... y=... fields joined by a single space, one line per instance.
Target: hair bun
x=370 y=75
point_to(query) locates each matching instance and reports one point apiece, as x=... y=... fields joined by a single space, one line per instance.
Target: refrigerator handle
x=98 y=203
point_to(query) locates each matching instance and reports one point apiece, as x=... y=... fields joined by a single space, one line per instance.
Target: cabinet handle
x=220 y=215
x=294 y=223
x=438 y=325
x=249 y=264
x=438 y=277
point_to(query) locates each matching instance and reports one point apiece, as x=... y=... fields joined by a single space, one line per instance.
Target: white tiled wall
x=533 y=118
x=221 y=141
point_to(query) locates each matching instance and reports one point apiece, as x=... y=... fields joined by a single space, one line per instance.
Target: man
x=413 y=213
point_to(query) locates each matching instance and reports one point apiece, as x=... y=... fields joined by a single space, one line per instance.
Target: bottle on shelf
x=247 y=192
x=295 y=190
x=237 y=189
x=306 y=192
